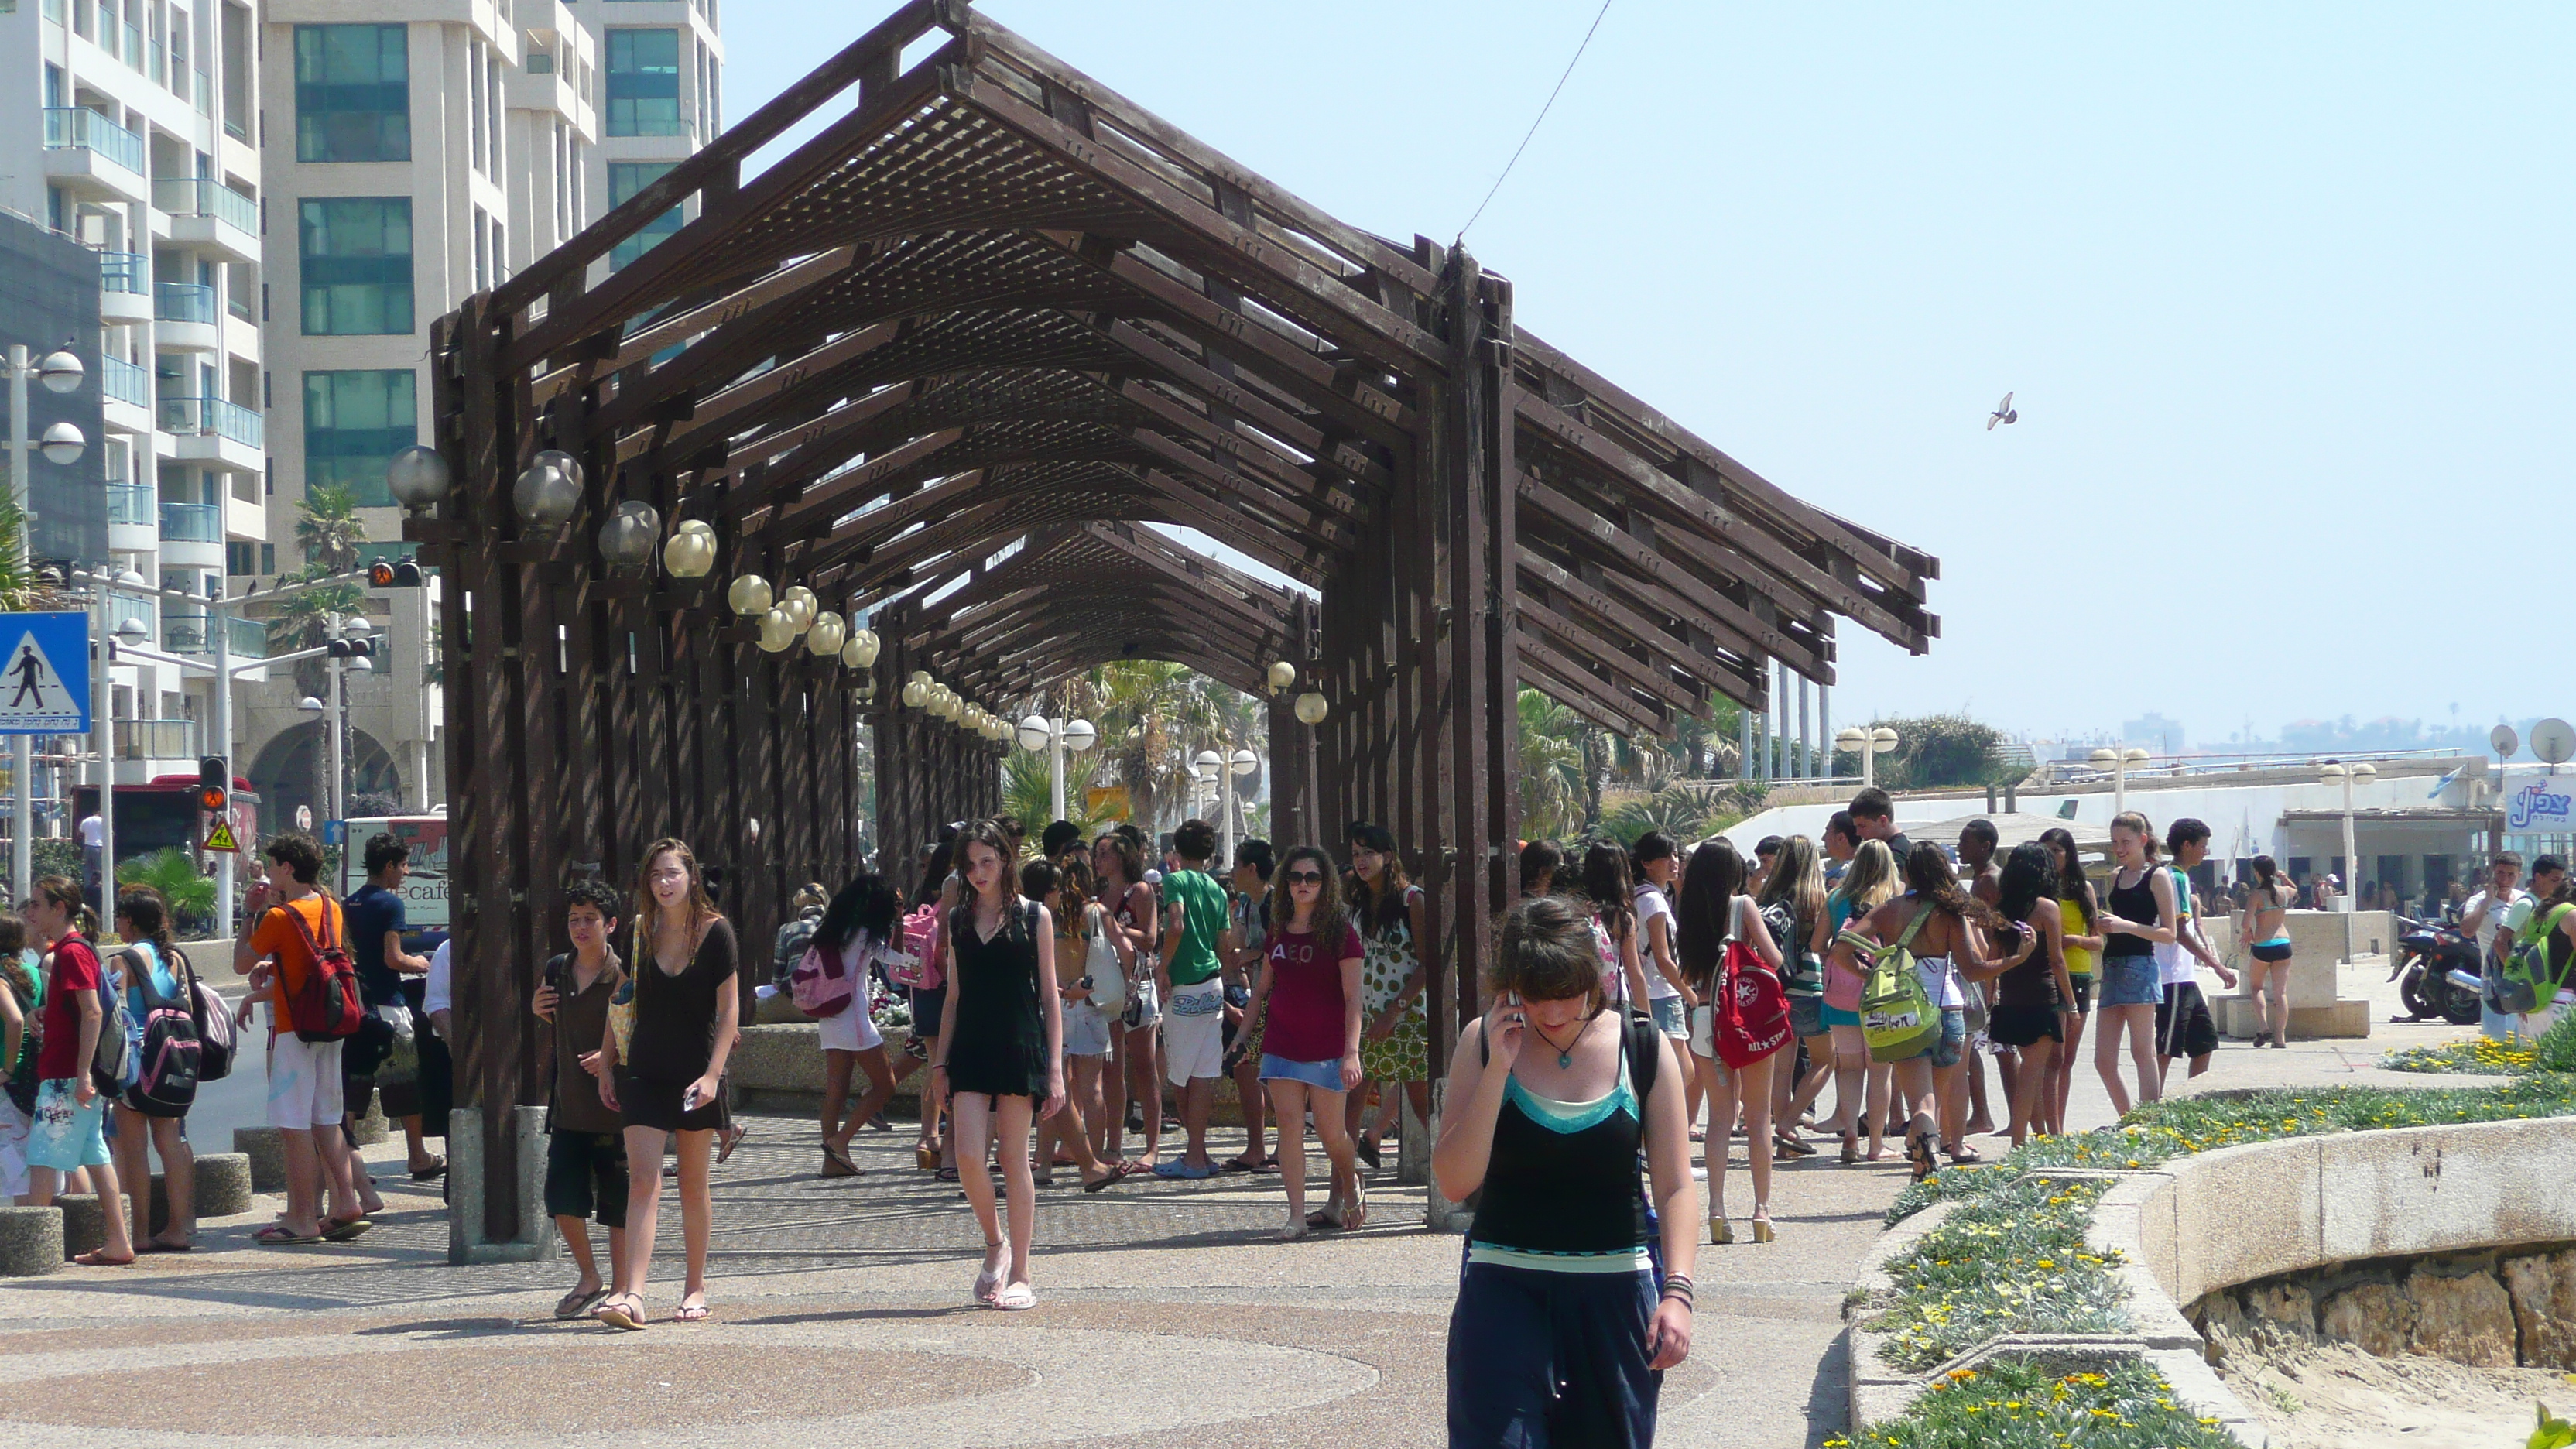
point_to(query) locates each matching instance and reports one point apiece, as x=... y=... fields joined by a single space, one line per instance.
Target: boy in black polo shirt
x=585 y=1141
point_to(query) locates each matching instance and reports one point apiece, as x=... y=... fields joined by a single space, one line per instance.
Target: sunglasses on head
x=1305 y=877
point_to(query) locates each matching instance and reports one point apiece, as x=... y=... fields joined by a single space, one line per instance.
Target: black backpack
x=166 y=1074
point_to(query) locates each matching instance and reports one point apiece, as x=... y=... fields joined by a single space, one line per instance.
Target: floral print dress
x=1389 y=963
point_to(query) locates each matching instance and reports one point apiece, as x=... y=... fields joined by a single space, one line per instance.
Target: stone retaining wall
x=2486 y=1310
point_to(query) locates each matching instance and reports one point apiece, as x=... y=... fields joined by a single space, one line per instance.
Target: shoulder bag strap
x=1905 y=939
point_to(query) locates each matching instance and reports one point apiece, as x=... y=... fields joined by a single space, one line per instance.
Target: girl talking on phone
x=1576 y=1295
x=667 y=1064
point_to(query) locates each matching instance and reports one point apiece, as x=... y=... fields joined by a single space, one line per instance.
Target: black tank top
x=1565 y=1191
x=2132 y=903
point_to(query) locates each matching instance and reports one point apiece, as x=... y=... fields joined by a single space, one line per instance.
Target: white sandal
x=1016 y=1298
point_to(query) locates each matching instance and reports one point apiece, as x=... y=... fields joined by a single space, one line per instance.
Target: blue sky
x=2283 y=292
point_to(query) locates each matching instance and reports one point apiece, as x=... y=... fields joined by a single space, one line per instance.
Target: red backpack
x=922 y=969
x=326 y=1007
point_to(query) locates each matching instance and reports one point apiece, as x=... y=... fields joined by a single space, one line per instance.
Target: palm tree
x=1152 y=714
x=174 y=874
x=23 y=588
x=301 y=623
x=327 y=527
x=1029 y=793
x=1551 y=764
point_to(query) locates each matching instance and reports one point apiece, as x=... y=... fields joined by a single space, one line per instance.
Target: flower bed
x=2179 y=1126
x=2481 y=1054
x=2013 y=1404
x=2012 y=1260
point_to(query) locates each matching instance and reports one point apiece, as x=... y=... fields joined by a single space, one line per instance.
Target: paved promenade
x=841 y=1309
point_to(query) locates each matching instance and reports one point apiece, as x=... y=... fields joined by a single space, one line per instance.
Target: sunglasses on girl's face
x=1305 y=877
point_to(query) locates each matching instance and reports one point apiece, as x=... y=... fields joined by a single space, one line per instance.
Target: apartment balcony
x=187 y=313
x=247 y=638
x=124 y=288
x=192 y=523
x=211 y=430
x=126 y=391
x=206 y=213
x=157 y=739
x=92 y=156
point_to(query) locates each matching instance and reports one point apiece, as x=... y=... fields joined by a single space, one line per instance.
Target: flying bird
x=2003 y=413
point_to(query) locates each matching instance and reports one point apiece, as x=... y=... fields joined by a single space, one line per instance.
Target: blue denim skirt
x=2130 y=981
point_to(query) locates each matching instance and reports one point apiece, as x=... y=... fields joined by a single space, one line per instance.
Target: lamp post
x=62 y=445
x=1877 y=741
x=2120 y=761
x=1055 y=736
x=342 y=634
x=2360 y=772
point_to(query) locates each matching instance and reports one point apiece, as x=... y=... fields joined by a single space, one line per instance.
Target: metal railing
x=134 y=50
x=205 y=93
x=131 y=503
x=125 y=382
x=127 y=272
x=205 y=196
x=187 y=634
x=213 y=415
x=183 y=302
x=157 y=739
x=124 y=607
x=192 y=523
x=80 y=128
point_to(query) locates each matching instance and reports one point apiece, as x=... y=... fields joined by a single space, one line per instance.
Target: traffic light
x=393 y=574
x=351 y=649
x=214 y=783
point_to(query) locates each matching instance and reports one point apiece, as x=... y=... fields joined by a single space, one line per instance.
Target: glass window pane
x=625 y=179
x=355 y=254
x=354 y=423
x=352 y=93
x=644 y=83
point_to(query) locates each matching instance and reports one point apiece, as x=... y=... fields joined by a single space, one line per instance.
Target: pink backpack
x=823 y=985
x=920 y=970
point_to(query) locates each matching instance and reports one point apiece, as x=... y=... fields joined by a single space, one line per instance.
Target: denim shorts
x=1807 y=1016
x=1954 y=1038
x=1323 y=1076
x=1671 y=1017
x=2130 y=981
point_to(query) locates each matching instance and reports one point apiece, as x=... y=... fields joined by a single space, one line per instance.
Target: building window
x=354 y=423
x=352 y=93
x=644 y=83
x=356 y=256
x=625 y=179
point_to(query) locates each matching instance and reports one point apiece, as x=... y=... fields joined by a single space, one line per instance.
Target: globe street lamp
x=1055 y=736
x=61 y=372
x=2119 y=762
x=1869 y=744
x=2361 y=772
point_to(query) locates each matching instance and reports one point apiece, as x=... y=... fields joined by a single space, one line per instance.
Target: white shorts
x=1086 y=1031
x=1703 y=1032
x=1194 y=1032
x=13 y=1150
x=851 y=1031
x=303 y=1083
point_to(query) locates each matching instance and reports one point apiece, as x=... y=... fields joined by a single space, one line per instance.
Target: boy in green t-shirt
x=1193 y=993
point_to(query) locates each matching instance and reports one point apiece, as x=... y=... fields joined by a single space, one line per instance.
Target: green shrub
x=2015 y=1404
x=2556 y=1049
x=2012 y=1260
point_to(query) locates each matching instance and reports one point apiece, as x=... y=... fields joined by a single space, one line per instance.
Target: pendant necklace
x=1564 y=1054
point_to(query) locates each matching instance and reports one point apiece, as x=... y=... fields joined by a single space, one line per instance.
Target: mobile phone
x=689 y=1098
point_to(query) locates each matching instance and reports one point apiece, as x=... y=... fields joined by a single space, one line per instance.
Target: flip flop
x=149 y=1247
x=341 y=1230
x=691 y=1313
x=279 y=1236
x=837 y=1163
x=729 y=1139
x=576 y=1303
x=1237 y=1164
x=1017 y=1298
x=616 y=1313
x=1179 y=1171
x=435 y=1169
x=1321 y=1220
x=1131 y=1167
x=1967 y=1154
x=1106 y=1180
x=98 y=1258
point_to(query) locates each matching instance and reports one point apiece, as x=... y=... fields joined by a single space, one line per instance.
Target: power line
x=1542 y=117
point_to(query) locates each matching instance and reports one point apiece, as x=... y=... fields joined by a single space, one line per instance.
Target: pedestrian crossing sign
x=44 y=677
x=221 y=838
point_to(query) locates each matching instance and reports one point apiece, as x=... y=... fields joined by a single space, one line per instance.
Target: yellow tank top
x=2079 y=962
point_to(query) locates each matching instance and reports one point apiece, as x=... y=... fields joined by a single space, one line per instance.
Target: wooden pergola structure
x=939 y=364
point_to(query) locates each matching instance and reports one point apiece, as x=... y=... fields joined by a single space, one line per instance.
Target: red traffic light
x=214 y=783
x=393 y=574
x=213 y=799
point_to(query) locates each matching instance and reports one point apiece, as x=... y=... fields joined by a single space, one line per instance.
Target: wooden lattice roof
x=991 y=315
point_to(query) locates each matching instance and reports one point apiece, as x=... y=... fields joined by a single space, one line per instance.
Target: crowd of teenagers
x=108 y=1040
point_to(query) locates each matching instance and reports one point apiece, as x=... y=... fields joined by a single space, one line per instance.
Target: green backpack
x=2526 y=983
x=1897 y=1017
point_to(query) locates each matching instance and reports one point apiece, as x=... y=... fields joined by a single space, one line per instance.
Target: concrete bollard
x=266 y=1149
x=31 y=1241
x=222 y=1188
x=83 y=1228
x=370 y=1129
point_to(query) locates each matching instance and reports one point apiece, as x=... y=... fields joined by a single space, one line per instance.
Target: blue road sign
x=44 y=677
x=335 y=832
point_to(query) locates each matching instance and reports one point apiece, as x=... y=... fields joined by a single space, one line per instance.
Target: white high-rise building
x=418 y=152
x=136 y=134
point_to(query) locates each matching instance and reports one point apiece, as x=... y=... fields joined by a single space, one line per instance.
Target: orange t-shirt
x=277 y=937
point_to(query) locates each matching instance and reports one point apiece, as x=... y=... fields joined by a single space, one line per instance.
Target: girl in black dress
x=1000 y=1051
x=667 y=1073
